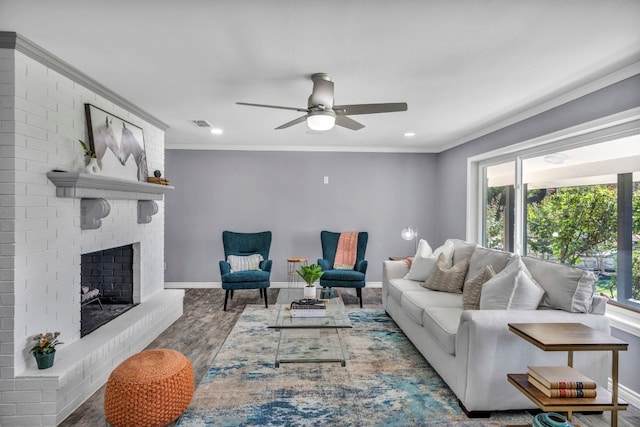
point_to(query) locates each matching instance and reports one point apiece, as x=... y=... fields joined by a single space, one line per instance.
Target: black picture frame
x=118 y=144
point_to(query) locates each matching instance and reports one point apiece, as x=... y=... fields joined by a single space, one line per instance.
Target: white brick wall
x=41 y=119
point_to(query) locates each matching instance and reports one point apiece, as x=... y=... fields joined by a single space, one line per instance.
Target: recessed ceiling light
x=409 y=134
x=555 y=158
x=217 y=131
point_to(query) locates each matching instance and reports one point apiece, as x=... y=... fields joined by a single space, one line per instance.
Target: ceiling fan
x=322 y=115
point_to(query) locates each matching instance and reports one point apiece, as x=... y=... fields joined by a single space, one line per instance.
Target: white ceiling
x=464 y=67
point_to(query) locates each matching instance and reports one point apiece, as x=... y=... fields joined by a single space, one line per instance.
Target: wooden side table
x=292 y=266
x=571 y=337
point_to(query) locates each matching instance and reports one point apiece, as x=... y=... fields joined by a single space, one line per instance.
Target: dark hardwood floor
x=203 y=328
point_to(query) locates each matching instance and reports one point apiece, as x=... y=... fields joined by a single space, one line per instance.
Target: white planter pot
x=309 y=292
x=92 y=167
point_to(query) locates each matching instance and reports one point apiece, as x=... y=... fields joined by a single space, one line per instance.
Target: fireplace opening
x=106 y=286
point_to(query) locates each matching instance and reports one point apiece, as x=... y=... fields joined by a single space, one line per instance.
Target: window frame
x=608 y=128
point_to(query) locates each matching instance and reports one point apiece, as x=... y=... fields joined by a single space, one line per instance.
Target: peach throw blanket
x=346 y=251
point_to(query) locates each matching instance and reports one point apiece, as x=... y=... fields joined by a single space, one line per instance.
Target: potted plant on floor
x=44 y=350
x=310 y=274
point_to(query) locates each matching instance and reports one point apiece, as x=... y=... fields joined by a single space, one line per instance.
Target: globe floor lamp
x=410 y=233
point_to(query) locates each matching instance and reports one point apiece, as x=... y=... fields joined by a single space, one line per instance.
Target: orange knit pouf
x=151 y=388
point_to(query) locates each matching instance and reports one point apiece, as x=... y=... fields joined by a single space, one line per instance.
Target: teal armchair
x=243 y=245
x=332 y=278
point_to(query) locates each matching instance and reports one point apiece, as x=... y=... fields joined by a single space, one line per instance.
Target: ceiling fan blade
x=293 y=122
x=348 y=123
x=302 y=110
x=354 y=109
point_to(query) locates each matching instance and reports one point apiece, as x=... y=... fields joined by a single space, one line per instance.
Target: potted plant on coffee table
x=44 y=350
x=310 y=274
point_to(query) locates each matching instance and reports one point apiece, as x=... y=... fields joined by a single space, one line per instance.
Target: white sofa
x=473 y=350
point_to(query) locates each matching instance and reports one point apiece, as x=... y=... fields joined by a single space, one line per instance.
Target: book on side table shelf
x=308 y=308
x=561 y=382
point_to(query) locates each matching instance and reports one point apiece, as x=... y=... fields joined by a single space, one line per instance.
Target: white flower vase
x=309 y=292
x=92 y=167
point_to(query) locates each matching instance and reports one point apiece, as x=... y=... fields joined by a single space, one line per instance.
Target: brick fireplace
x=42 y=238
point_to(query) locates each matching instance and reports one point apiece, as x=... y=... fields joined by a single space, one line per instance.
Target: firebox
x=106 y=281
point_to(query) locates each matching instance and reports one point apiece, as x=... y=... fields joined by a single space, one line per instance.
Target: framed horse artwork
x=118 y=144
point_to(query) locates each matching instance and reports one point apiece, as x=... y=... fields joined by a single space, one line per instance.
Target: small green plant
x=310 y=274
x=87 y=150
x=45 y=343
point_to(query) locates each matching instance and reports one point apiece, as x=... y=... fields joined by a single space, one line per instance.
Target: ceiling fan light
x=321 y=120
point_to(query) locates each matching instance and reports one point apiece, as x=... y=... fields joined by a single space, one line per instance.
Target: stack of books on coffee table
x=308 y=308
x=561 y=382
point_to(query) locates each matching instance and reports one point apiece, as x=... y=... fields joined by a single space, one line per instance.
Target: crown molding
x=12 y=40
x=297 y=148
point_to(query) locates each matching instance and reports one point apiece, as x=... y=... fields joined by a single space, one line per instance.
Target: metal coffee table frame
x=309 y=339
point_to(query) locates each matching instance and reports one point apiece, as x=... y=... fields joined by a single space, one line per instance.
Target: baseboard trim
x=218 y=285
x=632 y=397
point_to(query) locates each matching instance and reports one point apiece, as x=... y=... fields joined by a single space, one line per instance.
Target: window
x=499 y=198
x=573 y=201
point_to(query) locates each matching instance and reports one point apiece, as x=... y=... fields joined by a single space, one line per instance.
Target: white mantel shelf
x=85 y=186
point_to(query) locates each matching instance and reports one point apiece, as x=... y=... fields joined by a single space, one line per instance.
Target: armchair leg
x=226 y=296
x=359 y=293
x=266 y=303
x=260 y=292
x=231 y=294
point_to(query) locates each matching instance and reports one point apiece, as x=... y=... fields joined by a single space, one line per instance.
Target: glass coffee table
x=309 y=339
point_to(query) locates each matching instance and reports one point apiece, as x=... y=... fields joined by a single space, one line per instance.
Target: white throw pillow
x=424 y=249
x=244 y=263
x=511 y=289
x=422 y=265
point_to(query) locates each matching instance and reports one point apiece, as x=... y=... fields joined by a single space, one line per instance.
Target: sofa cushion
x=342 y=275
x=443 y=323
x=412 y=304
x=398 y=286
x=511 y=289
x=446 y=278
x=245 y=276
x=462 y=250
x=427 y=298
x=482 y=257
x=567 y=288
x=473 y=288
x=422 y=265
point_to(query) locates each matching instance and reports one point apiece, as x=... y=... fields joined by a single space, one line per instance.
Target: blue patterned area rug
x=386 y=382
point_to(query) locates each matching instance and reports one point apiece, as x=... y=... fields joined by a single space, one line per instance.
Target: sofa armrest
x=326 y=265
x=394 y=270
x=265 y=265
x=599 y=304
x=361 y=266
x=486 y=351
x=225 y=268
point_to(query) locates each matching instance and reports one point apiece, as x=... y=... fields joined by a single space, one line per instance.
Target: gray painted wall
x=284 y=192
x=452 y=164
